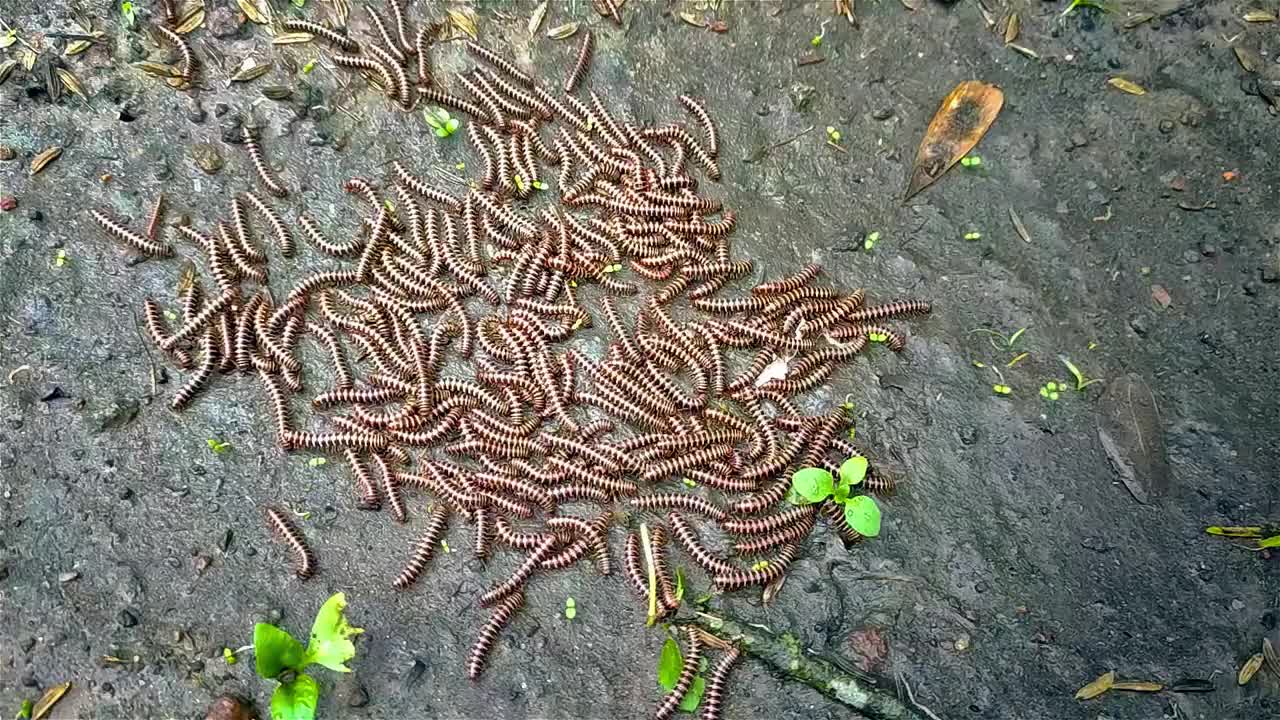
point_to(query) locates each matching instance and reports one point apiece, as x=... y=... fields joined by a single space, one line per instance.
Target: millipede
x=188 y=68
x=489 y=633
x=265 y=174
x=129 y=237
x=692 y=657
x=283 y=237
x=389 y=44
x=332 y=36
x=717 y=679
x=283 y=527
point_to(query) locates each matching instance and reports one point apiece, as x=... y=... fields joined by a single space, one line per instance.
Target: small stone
x=981 y=586
x=173 y=562
x=70 y=576
x=1208 y=250
x=1166 y=126
x=1237 y=604
x=126 y=619
x=198 y=114
x=195 y=666
x=1271 y=271
x=1161 y=296
x=968 y=434
x=126 y=493
x=207 y=157
x=29 y=679
x=7 y=153
x=962 y=642
x=8 y=203
x=120 y=413
x=228 y=708
x=802 y=96
x=1190 y=257
x=201 y=563
x=27 y=643
x=107 y=688
x=223 y=22
x=275 y=615
x=1250 y=288
x=1078 y=140
x=35 y=215
x=882 y=113
x=1138 y=323
x=221 y=109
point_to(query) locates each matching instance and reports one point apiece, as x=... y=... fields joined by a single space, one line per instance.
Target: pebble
x=357 y=696
x=7 y=153
x=8 y=203
x=35 y=215
x=220 y=109
x=1138 y=324
x=126 y=493
x=1250 y=288
x=962 y=642
x=968 y=434
x=29 y=679
x=1271 y=272
x=67 y=577
x=1191 y=257
x=27 y=643
x=223 y=21
x=207 y=157
x=126 y=619
x=198 y=114
x=882 y=113
x=1078 y=139
x=202 y=563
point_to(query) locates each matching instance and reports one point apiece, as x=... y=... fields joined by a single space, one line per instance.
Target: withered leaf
x=963 y=118
x=251 y=11
x=158 y=69
x=70 y=82
x=1137 y=20
x=277 y=92
x=1191 y=685
x=692 y=19
x=193 y=20
x=48 y=700
x=1011 y=28
x=178 y=83
x=1269 y=653
x=39 y=162
x=1024 y=51
x=76 y=47
x=1018 y=227
x=1250 y=668
x=464 y=19
x=1138 y=686
x=1259 y=16
x=535 y=20
x=718 y=26
x=6 y=68
x=8 y=39
x=560 y=32
x=1246 y=58
x=250 y=71
x=27 y=57
x=1097 y=687
x=1128 y=86
x=290 y=38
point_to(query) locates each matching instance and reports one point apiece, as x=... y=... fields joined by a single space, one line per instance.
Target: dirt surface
x=1014 y=567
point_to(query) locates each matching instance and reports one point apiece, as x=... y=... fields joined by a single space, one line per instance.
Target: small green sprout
x=441 y=122
x=870 y=241
x=979 y=364
x=390 y=206
x=816 y=40
x=1092 y=345
x=759 y=565
x=679 y=584
x=460 y=166
x=311 y=65
x=26 y=710
x=616 y=267
x=971 y=161
x=1002 y=389
x=814 y=485
x=1082 y=382
x=60 y=258
x=229 y=656
x=519 y=183
x=974 y=235
x=444 y=545
x=129 y=12
x=570 y=608
x=688 y=483
x=539 y=185
x=316 y=462
x=278 y=656
x=877 y=337
x=833 y=134
x=217 y=446
x=1049 y=390
x=1017 y=359
x=170 y=315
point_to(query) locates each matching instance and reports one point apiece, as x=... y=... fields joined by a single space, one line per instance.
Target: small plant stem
x=653 y=575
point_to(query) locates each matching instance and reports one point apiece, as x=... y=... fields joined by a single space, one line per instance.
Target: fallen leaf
x=27 y=57
x=158 y=69
x=464 y=19
x=1138 y=686
x=962 y=119
x=291 y=38
x=810 y=59
x=77 y=47
x=1018 y=226
x=1246 y=58
x=1024 y=51
x=193 y=20
x=692 y=19
x=1192 y=207
x=1097 y=687
x=70 y=82
x=776 y=370
x=1250 y=668
x=535 y=20
x=1137 y=20
x=1237 y=531
x=49 y=699
x=718 y=26
x=1128 y=86
x=6 y=68
x=870 y=647
x=1161 y=296
x=1011 y=28
x=251 y=11
x=1259 y=16
x=560 y=32
x=249 y=71
x=39 y=162
x=277 y=92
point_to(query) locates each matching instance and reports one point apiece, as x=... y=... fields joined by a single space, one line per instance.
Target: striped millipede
x=332 y=36
x=517 y=579
x=582 y=64
x=389 y=44
x=717 y=679
x=692 y=657
x=154 y=217
x=265 y=174
x=402 y=29
x=425 y=547
x=133 y=239
x=184 y=50
x=692 y=544
x=283 y=236
x=283 y=527
x=489 y=633
x=401 y=86
x=203 y=372
x=708 y=127
x=369 y=499
x=499 y=62
x=691 y=503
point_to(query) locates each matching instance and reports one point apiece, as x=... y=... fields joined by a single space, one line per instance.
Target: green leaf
x=813 y=484
x=441 y=132
x=570 y=608
x=694 y=696
x=311 y=65
x=295 y=700
x=275 y=650
x=679 y=584
x=841 y=494
x=25 y=710
x=1271 y=542
x=1081 y=381
x=796 y=498
x=434 y=120
x=669 y=664
x=316 y=461
x=229 y=656
x=127 y=10
x=298 y=3
x=451 y=125
x=218 y=446
x=863 y=515
x=331 y=634
x=853 y=471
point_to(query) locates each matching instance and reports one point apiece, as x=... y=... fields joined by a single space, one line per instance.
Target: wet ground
x=1015 y=565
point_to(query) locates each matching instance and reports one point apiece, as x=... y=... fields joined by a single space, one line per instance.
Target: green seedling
x=60 y=258
x=759 y=565
x=1007 y=341
x=316 y=462
x=833 y=134
x=971 y=161
x=25 y=710
x=129 y=13
x=670 y=662
x=1077 y=4
x=1082 y=382
x=444 y=545
x=460 y=166
x=519 y=183
x=311 y=65
x=1001 y=389
x=539 y=185
x=217 y=446
x=877 y=337
x=229 y=655
x=688 y=483
x=612 y=268
x=869 y=242
x=1049 y=391
x=570 y=608
x=814 y=485
x=279 y=657
x=971 y=236
x=441 y=123
x=679 y=584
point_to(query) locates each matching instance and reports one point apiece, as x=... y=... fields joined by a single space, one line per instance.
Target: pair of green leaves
x=670 y=663
x=813 y=485
x=441 y=122
x=276 y=651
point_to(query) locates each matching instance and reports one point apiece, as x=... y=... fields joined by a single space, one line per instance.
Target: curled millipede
x=692 y=658
x=283 y=236
x=337 y=38
x=580 y=67
x=425 y=547
x=265 y=174
x=713 y=696
x=124 y=234
x=283 y=527
x=489 y=633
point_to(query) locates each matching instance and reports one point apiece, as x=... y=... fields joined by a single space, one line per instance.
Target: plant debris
x=960 y=122
x=41 y=161
x=1128 y=86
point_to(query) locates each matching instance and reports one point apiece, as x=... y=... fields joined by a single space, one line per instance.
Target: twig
x=653 y=575
x=911 y=698
x=137 y=325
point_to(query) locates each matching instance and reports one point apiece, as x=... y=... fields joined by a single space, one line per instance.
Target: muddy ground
x=1015 y=566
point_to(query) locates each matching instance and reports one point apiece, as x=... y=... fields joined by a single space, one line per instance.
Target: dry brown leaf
x=291 y=38
x=1269 y=654
x=158 y=69
x=1137 y=20
x=560 y=32
x=39 y=162
x=1161 y=296
x=178 y=83
x=1024 y=51
x=1128 y=86
x=70 y=82
x=1011 y=28
x=27 y=57
x=6 y=68
x=1250 y=668
x=1246 y=59
x=1138 y=686
x=1097 y=687
x=464 y=19
x=1259 y=16
x=1018 y=226
x=535 y=20
x=960 y=122
x=76 y=47
x=693 y=20
x=48 y=700
x=250 y=71
x=251 y=11
x=192 y=21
